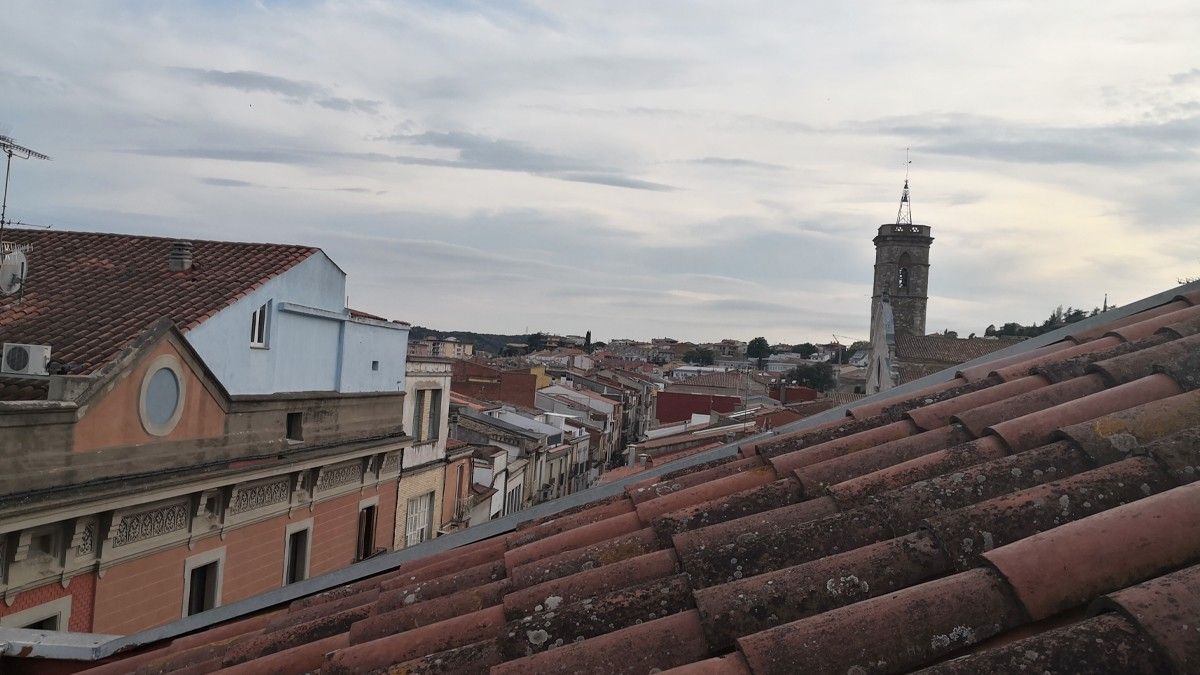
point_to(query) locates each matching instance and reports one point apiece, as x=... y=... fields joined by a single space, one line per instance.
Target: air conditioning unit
x=20 y=359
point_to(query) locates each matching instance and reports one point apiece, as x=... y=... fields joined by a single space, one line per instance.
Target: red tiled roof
x=89 y=293
x=1038 y=513
x=729 y=380
x=947 y=350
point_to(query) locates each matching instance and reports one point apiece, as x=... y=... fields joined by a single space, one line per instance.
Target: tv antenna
x=13 y=264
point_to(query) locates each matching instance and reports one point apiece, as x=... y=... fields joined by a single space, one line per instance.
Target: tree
x=536 y=342
x=804 y=349
x=1058 y=318
x=587 y=339
x=759 y=349
x=699 y=356
x=818 y=376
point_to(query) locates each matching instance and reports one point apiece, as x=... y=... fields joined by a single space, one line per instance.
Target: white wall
x=315 y=349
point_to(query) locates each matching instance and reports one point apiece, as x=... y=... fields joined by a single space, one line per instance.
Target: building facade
x=213 y=423
x=138 y=510
x=419 y=500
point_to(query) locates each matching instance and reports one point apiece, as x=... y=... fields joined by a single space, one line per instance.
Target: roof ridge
x=156 y=237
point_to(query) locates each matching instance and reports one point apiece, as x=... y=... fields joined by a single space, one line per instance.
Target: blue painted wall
x=315 y=349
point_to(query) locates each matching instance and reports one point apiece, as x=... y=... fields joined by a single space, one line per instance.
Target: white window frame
x=216 y=555
x=416 y=532
x=60 y=608
x=260 y=327
x=291 y=529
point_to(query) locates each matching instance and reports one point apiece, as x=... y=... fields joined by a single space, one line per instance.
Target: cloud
x=697 y=173
x=252 y=81
x=1186 y=77
x=991 y=138
x=293 y=91
x=613 y=180
x=737 y=163
x=227 y=182
x=350 y=105
x=475 y=151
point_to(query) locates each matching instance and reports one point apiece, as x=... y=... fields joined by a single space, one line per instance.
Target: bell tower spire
x=902 y=270
x=904 y=214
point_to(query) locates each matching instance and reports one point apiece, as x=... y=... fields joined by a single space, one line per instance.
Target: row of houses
x=545 y=425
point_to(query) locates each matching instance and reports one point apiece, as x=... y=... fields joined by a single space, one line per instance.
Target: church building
x=901 y=351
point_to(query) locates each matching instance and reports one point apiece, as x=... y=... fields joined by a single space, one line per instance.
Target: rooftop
x=90 y=294
x=1035 y=510
x=947 y=350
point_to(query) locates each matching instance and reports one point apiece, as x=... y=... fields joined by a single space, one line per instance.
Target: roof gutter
x=91 y=647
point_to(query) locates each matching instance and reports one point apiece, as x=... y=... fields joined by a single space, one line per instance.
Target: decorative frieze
x=86 y=538
x=339 y=475
x=391 y=463
x=143 y=525
x=251 y=497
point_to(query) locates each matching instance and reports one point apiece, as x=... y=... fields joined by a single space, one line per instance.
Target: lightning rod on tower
x=904 y=214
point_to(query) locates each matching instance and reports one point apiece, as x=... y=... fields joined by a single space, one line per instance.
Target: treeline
x=1058 y=318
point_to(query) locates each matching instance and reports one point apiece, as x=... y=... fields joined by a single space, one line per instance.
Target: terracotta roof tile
x=947 y=350
x=89 y=294
x=960 y=517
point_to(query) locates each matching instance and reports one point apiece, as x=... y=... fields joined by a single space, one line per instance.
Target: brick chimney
x=180 y=259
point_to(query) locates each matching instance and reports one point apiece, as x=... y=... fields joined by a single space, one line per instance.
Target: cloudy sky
x=700 y=170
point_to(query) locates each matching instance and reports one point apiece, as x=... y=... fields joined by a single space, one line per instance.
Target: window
x=203 y=593
x=259 y=324
x=374 y=365
x=417 y=526
x=418 y=427
x=48 y=623
x=902 y=278
x=202 y=577
x=427 y=413
x=513 y=500
x=160 y=403
x=53 y=615
x=296 y=556
x=435 y=413
x=295 y=426
x=366 y=533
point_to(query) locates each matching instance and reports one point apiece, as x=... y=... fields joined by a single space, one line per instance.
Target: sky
x=700 y=170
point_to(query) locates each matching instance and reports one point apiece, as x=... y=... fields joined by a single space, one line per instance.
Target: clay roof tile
x=91 y=293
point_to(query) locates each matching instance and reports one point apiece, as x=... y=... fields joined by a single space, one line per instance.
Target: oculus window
x=160 y=404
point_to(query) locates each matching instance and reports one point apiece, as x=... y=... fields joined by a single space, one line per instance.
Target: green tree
x=759 y=349
x=536 y=342
x=699 y=356
x=818 y=376
x=805 y=349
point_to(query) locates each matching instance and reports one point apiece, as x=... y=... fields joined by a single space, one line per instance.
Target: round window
x=162 y=396
x=161 y=402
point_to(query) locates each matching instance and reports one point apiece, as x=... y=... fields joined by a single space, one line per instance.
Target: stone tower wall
x=896 y=247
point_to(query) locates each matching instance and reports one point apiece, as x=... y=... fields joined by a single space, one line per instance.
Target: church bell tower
x=902 y=270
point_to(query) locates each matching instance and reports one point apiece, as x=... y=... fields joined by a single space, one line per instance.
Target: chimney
x=180 y=259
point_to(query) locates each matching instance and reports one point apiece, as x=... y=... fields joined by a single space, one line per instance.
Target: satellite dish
x=12 y=272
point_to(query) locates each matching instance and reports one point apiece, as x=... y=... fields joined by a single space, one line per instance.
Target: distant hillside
x=488 y=342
